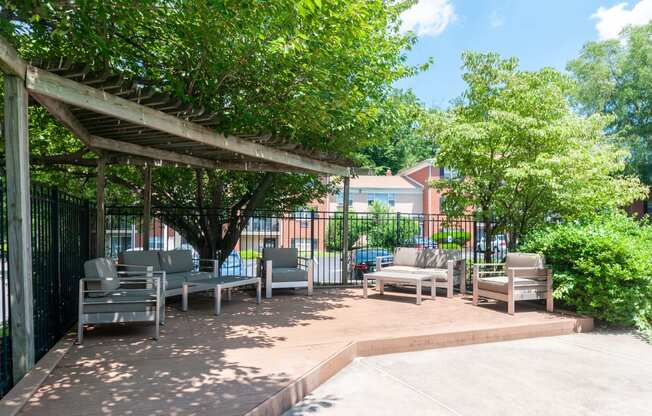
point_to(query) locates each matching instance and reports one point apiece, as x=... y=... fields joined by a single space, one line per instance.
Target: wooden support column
x=19 y=220
x=147 y=205
x=99 y=202
x=345 y=231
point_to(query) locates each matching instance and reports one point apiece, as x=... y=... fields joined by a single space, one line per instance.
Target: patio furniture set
x=523 y=276
x=135 y=288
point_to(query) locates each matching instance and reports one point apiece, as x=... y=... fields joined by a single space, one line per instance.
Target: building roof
x=416 y=167
x=383 y=182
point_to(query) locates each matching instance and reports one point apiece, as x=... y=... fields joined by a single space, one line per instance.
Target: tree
x=377 y=228
x=401 y=143
x=305 y=72
x=521 y=155
x=614 y=77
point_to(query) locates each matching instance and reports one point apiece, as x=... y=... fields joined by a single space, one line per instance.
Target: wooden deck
x=258 y=359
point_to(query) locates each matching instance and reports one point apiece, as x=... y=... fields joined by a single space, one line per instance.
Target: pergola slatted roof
x=111 y=113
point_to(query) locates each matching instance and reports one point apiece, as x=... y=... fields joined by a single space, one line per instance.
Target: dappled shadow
x=202 y=364
x=311 y=405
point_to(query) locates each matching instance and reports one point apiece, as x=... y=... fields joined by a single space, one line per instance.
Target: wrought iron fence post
x=398 y=229
x=312 y=233
x=56 y=250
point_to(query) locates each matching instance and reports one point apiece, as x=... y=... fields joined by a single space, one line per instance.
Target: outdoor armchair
x=523 y=276
x=284 y=268
x=441 y=263
x=109 y=296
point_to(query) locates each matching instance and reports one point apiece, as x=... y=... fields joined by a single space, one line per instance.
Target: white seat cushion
x=499 y=283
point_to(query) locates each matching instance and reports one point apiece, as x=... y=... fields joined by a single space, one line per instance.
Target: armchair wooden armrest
x=382 y=261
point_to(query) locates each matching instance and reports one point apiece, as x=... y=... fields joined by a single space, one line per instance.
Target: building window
x=448 y=173
x=383 y=198
x=339 y=198
x=304 y=244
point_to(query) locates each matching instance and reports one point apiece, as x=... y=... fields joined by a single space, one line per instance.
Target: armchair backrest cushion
x=281 y=257
x=524 y=260
x=176 y=261
x=140 y=258
x=433 y=258
x=104 y=269
x=407 y=256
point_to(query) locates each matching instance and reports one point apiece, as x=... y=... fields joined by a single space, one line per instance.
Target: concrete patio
x=262 y=359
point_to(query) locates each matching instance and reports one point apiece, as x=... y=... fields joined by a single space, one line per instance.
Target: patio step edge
x=17 y=397
x=296 y=391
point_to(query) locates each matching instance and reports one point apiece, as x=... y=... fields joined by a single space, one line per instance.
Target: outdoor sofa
x=523 y=276
x=107 y=295
x=442 y=263
x=177 y=264
x=284 y=268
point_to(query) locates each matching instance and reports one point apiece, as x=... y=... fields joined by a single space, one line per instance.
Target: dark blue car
x=364 y=259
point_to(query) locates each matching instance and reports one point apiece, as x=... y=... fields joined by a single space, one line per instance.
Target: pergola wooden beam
x=19 y=232
x=73 y=93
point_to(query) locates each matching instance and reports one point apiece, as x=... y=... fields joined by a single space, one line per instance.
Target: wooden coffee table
x=217 y=284
x=416 y=279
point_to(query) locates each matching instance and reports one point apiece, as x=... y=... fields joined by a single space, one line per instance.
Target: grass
x=249 y=254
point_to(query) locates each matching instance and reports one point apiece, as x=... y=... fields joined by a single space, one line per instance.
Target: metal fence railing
x=317 y=234
x=61 y=242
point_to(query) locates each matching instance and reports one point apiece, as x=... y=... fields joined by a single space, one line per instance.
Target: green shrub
x=249 y=254
x=453 y=236
x=450 y=246
x=602 y=266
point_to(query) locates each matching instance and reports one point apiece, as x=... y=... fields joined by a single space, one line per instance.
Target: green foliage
x=614 y=77
x=450 y=246
x=311 y=73
x=249 y=254
x=602 y=266
x=378 y=228
x=522 y=155
x=454 y=236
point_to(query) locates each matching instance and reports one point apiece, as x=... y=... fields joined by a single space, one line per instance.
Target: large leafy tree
x=308 y=72
x=521 y=155
x=614 y=77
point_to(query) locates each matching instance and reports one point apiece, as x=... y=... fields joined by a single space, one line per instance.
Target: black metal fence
x=61 y=242
x=316 y=234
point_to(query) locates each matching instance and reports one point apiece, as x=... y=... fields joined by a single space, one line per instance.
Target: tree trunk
x=488 y=238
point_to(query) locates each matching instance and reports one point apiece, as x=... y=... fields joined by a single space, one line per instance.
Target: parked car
x=421 y=242
x=363 y=260
x=498 y=245
x=232 y=266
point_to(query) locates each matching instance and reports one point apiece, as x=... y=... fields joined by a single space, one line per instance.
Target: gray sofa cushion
x=192 y=276
x=433 y=258
x=101 y=268
x=281 y=257
x=402 y=269
x=406 y=256
x=111 y=303
x=175 y=261
x=289 y=274
x=140 y=258
x=174 y=280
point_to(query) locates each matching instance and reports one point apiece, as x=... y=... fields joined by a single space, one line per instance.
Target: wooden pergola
x=117 y=117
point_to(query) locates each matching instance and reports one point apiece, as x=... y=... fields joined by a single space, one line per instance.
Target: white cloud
x=496 y=20
x=612 y=20
x=428 y=17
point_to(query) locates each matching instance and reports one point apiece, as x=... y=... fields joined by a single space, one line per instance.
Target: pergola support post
x=147 y=205
x=99 y=206
x=345 y=231
x=19 y=222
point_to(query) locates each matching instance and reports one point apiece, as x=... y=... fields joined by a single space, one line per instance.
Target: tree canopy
x=314 y=73
x=521 y=155
x=614 y=77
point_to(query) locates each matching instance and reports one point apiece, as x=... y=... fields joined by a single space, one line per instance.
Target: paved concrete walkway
x=584 y=374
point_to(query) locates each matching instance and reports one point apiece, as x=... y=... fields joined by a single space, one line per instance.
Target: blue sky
x=539 y=32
